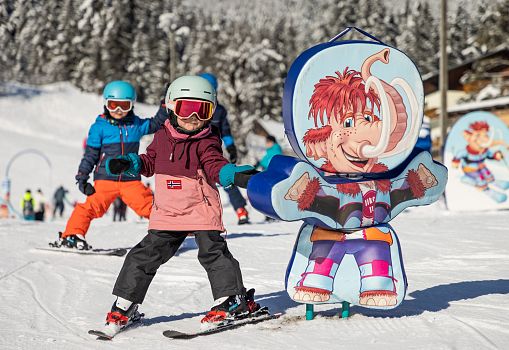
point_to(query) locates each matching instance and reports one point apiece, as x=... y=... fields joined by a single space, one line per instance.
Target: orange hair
x=478 y=126
x=336 y=95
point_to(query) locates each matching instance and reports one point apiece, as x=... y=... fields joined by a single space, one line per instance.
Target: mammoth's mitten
x=129 y=164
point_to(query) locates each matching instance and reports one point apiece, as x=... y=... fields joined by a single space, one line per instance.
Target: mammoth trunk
x=393 y=112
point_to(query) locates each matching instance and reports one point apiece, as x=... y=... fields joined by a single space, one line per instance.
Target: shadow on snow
x=432 y=299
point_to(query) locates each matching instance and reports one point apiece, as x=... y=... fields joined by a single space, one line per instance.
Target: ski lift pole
x=444 y=84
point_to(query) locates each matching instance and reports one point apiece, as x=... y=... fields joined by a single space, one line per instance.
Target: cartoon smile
x=358 y=162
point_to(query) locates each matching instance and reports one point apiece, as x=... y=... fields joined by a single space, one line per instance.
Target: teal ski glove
x=129 y=164
x=229 y=171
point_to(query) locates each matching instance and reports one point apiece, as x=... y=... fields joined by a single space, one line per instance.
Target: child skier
x=187 y=161
x=115 y=132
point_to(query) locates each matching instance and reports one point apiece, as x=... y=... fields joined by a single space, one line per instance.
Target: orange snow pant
x=133 y=193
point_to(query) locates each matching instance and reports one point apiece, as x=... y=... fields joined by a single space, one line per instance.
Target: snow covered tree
x=88 y=45
x=419 y=37
x=6 y=39
x=488 y=34
x=459 y=34
x=61 y=52
x=116 y=38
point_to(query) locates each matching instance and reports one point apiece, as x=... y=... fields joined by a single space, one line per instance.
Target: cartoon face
x=478 y=136
x=349 y=134
x=360 y=117
x=366 y=116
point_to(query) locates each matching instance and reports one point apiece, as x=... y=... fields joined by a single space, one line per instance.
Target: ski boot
x=118 y=319
x=230 y=308
x=243 y=216
x=74 y=242
x=269 y=220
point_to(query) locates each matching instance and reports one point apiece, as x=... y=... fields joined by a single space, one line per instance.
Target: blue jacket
x=109 y=138
x=220 y=121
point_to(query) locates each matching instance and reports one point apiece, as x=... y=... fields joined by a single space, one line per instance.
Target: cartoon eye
x=349 y=122
x=368 y=117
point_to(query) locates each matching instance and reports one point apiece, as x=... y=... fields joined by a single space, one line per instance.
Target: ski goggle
x=123 y=105
x=184 y=109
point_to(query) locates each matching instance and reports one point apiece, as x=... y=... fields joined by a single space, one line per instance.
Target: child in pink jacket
x=187 y=161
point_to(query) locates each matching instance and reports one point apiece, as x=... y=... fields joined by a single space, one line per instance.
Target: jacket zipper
x=100 y=162
x=121 y=146
x=200 y=182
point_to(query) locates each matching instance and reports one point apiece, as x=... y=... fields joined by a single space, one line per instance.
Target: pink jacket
x=186 y=171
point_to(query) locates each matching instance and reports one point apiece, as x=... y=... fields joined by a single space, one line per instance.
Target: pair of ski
x=107 y=252
x=229 y=324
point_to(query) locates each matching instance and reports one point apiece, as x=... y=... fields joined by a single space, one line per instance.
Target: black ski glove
x=86 y=188
x=118 y=166
x=232 y=151
x=242 y=178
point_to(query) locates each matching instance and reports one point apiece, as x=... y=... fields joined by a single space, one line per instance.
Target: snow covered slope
x=457 y=269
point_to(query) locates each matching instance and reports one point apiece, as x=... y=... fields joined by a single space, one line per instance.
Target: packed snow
x=456 y=264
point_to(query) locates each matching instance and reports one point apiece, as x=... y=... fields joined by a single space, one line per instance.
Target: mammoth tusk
x=369 y=151
x=410 y=138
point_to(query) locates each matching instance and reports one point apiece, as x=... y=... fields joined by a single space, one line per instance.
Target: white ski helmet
x=192 y=87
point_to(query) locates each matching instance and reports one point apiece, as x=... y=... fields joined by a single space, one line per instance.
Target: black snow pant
x=156 y=248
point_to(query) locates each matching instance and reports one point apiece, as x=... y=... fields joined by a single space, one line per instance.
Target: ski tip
x=100 y=335
x=174 y=334
x=120 y=252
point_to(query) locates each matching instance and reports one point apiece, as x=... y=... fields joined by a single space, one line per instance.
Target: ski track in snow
x=16 y=270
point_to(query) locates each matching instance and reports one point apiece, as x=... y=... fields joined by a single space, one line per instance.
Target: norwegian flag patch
x=174 y=184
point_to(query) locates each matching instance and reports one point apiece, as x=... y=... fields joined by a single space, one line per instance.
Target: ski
x=108 y=252
x=103 y=335
x=225 y=326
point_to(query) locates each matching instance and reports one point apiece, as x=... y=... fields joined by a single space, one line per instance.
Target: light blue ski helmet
x=119 y=90
x=211 y=78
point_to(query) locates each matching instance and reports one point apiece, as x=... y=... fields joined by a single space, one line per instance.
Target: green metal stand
x=345 y=309
x=309 y=312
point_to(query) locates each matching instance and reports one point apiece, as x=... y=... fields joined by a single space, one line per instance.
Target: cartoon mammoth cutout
x=352 y=112
x=477 y=153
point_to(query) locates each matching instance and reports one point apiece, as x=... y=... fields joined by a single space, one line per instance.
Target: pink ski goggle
x=184 y=109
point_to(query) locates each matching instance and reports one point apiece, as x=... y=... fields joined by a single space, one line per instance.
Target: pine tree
x=88 y=45
x=116 y=38
x=488 y=35
x=459 y=34
x=61 y=52
x=6 y=39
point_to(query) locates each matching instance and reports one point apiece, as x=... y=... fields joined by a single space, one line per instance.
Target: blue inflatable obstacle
x=352 y=112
